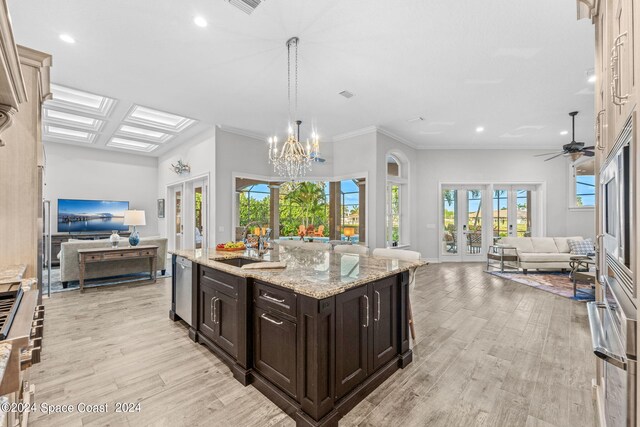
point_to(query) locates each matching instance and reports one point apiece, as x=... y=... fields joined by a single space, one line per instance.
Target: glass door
x=513 y=211
x=177 y=223
x=199 y=214
x=462 y=223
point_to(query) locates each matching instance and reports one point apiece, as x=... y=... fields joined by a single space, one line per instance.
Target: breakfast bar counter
x=313 y=330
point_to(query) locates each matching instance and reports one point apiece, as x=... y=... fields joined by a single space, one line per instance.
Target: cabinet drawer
x=121 y=255
x=223 y=282
x=147 y=252
x=273 y=298
x=89 y=258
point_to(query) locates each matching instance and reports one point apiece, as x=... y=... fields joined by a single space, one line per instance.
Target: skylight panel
x=67 y=98
x=154 y=136
x=73 y=120
x=158 y=119
x=129 y=144
x=58 y=133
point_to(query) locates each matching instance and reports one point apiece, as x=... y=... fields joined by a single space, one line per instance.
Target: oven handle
x=597 y=337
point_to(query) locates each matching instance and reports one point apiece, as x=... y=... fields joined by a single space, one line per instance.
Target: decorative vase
x=134 y=238
x=115 y=239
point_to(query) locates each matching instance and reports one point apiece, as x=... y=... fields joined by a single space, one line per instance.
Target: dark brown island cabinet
x=314 y=358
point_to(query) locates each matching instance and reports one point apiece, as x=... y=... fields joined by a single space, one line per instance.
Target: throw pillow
x=581 y=247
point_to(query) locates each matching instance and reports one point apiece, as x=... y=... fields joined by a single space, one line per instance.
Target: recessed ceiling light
x=592 y=78
x=200 y=21
x=67 y=38
x=157 y=119
x=66 y=98
x=129 y=144
x=564 y=132
x=479 y=129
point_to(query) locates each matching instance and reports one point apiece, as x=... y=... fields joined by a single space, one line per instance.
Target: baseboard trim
x=597 y=391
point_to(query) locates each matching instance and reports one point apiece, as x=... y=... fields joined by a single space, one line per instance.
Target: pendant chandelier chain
x=293 y=159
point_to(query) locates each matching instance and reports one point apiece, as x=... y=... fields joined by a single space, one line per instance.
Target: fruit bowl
x=231 y=247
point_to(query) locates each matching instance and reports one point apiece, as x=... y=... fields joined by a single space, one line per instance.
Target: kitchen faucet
x=262 y=239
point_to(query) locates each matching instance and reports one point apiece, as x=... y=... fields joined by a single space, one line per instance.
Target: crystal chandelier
x=293 y=160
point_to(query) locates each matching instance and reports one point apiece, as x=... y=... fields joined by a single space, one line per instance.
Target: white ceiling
x=516 y=68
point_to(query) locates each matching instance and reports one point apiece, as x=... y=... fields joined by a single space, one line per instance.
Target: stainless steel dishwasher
x=184 y=288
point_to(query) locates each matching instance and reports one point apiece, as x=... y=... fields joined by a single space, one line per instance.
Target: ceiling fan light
x=575 y=156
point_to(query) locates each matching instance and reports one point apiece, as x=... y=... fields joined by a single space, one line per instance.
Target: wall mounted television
x=78 y=216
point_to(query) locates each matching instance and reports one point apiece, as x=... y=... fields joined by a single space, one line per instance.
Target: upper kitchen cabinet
x=622 y=62
x=24 y=85
x=12 y=86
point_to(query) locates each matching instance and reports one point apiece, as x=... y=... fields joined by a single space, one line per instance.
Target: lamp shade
x=134 y=217
x=349 y=231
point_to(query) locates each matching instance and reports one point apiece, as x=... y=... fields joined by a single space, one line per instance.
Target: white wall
x=74 y=172
x=236 y=155
x=199 y=153
x=459 y=166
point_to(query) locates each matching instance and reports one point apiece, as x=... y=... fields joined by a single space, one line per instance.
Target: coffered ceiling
x=437 y=74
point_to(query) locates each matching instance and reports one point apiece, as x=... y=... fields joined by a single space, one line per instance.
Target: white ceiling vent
x=247 y=6
x=346 y=94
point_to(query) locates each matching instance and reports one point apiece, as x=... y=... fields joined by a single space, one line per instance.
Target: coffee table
x=581 y=270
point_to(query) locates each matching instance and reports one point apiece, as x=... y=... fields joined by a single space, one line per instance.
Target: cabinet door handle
x=599 y=145
x=366 y=325
x=269 y=319
x=213 y=310
x=270 y=298
x=616 y=98
x=378 y=302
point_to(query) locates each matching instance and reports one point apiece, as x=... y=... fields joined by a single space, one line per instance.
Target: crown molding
x=398 y=138
x=359 y=132
x=242 y=132
x=492 y=147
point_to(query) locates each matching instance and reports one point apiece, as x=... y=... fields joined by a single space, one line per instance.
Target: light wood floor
x=490 y=352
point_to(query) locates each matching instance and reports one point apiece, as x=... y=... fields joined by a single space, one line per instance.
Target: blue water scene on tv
x=91 y=215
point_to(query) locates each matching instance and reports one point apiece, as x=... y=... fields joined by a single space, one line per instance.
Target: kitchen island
x=315 y=337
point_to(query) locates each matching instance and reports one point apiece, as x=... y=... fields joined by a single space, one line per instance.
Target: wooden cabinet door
x=275 y=349
x=384 y=327
x=226 y=316
x=352 y=325
x=622 y=36
x=207 y=323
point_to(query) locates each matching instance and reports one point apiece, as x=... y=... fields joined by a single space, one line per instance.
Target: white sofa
x=69 y=262
x=549 y=253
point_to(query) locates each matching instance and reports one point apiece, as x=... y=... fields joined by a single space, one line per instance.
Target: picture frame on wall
x=160 y=208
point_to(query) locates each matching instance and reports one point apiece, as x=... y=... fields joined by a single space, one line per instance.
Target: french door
x=463 y=217
x=514 y=211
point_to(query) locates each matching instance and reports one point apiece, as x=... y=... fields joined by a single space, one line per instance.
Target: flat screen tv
x=77 y=216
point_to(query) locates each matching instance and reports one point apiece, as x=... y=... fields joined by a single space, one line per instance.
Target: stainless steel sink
x=238 y=262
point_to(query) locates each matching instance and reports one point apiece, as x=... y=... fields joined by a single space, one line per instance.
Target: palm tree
x=309 y=196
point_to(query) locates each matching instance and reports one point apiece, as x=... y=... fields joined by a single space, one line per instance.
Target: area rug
x=555 y=282
x=56 y=284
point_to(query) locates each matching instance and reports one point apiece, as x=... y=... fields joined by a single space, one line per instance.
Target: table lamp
x=349 y=232
x=134 y=217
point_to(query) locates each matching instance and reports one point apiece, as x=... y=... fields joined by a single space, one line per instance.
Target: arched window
x=397 y=201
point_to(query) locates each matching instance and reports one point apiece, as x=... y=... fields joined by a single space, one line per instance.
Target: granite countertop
x=314 y=273
x=5 y=352
x=12 y=273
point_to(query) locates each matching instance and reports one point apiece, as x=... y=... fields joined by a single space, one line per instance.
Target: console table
x=57 y=239
x=88 y=256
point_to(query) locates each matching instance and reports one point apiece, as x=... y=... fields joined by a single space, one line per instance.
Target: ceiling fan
x=573 y=149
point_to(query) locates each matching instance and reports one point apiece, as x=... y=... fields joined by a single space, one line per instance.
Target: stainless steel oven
x=613 y=319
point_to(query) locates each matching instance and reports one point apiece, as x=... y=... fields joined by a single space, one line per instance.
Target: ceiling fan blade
x=588 y=153
x=591 y=147
x=551 y=158
x=545 y=154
